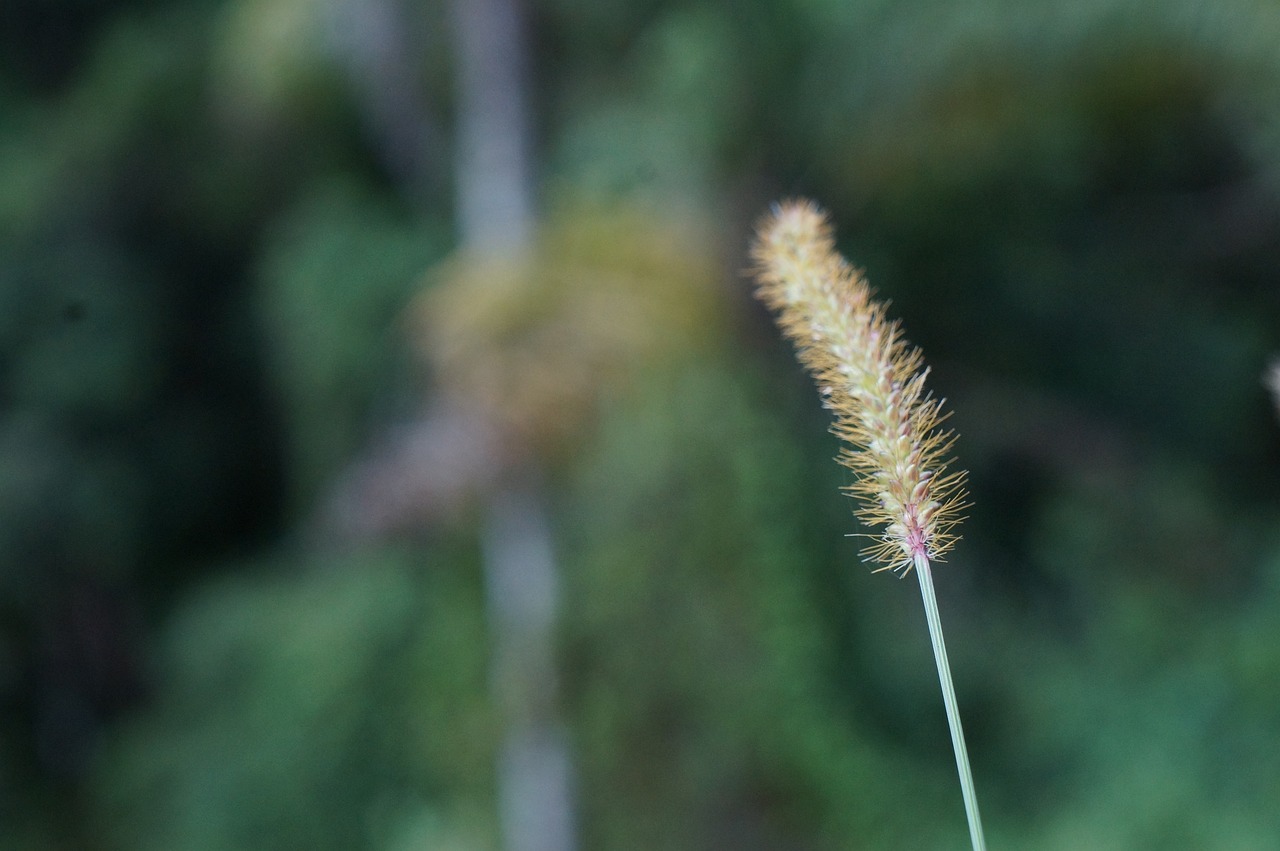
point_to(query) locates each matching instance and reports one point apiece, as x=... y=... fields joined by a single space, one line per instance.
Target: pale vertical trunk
x=495 y=213
x=534 y=770
x=494 y=197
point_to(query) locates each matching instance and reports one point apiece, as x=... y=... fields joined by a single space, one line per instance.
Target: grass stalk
x=891 y=427
x=949 y=699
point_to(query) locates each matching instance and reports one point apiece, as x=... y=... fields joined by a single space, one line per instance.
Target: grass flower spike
x=894 y=442
x=873 y=383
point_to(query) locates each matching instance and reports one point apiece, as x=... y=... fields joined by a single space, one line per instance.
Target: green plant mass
x=392 y=454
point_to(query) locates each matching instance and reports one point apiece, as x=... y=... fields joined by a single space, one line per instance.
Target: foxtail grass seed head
x=871 y=380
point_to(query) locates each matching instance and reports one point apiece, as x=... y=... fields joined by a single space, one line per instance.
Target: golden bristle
x=873 y=382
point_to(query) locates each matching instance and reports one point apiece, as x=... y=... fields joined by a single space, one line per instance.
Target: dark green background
x=207 y=252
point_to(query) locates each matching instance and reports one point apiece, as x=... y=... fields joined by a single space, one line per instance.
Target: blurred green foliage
x=326 y=341
x=209 y=266
x=353 y=691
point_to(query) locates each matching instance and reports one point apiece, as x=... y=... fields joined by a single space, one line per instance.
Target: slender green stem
x=949 y=698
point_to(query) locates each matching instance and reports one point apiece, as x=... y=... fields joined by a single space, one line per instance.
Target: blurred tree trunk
x=424 y=470
x=495 y=214
x=494 y=197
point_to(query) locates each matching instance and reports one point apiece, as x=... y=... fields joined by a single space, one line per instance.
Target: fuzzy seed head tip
x=871 y=380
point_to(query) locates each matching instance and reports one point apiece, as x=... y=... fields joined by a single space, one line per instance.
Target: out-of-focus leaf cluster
x=531 y=340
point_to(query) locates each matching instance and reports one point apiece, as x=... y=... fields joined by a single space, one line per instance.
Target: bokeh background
x=393 y=457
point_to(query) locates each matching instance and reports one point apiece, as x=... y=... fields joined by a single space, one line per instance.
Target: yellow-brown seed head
x=871 y=380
